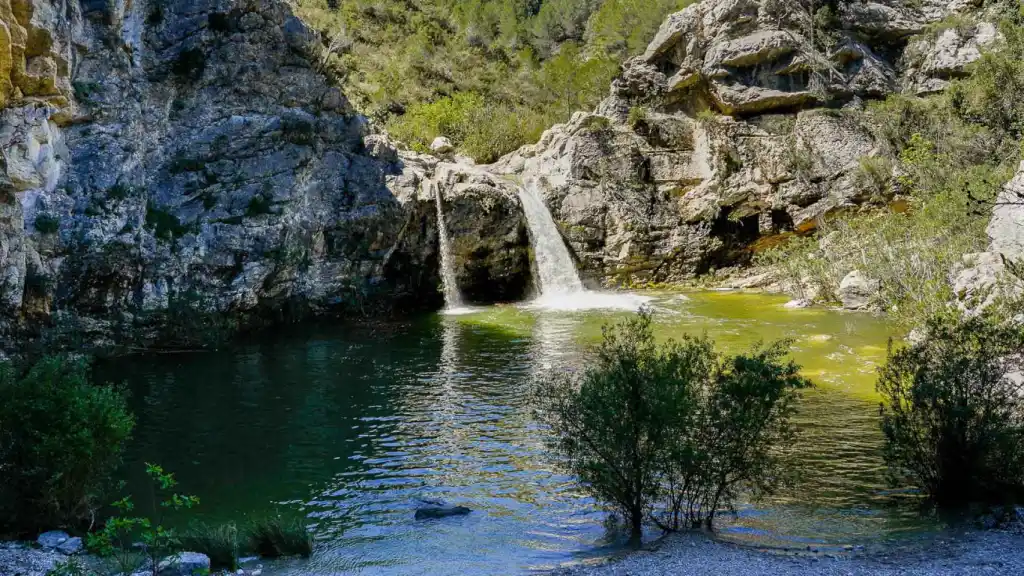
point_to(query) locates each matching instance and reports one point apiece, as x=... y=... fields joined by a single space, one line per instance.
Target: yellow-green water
x=350 y=424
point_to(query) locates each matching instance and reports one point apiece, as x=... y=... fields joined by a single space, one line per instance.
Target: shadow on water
x=351 y=425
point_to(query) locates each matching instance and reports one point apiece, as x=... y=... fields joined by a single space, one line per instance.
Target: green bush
x=483 y=132
x=61 y=437
x=673 y=432
x=953 y=420
x=47 y=223
x=274 y=537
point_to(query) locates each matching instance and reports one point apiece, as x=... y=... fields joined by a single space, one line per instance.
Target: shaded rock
x=70 y=546
x=185 y=564
x=17 y=559
x=857 y=291
x=489 y=236
x=53 y=539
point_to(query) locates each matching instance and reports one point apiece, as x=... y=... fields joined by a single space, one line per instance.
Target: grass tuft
x=274 y=537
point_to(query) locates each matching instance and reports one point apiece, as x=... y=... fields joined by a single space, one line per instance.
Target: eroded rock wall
x=743 y=119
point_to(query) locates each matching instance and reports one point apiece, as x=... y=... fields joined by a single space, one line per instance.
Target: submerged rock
x=433 y=512
x=433 y=509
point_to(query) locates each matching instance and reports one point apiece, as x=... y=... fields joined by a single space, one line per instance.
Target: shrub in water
x=672 y=432
x=61 y=437
x=953 y=419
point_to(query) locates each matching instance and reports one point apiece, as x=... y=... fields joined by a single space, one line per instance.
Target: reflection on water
x=352 y=425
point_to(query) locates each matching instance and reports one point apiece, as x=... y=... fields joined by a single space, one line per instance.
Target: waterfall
x=554 y=263
x=452 y=296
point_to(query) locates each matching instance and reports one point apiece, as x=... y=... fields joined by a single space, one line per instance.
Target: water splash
x=554 y=263
x=560 y=284
x=452 y=296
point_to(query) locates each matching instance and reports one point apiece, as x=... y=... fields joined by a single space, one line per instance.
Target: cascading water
x=554 y=263
x=560 y=284
x=452 y=296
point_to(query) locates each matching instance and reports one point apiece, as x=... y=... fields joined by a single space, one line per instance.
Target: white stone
x=441 y=145
x=857 y=290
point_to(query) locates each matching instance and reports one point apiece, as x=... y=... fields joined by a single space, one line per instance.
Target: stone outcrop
x=999 y=272
x=857 y=291
x=487 y=229
x=178 y=166
x=743 y=119
x=181 y=166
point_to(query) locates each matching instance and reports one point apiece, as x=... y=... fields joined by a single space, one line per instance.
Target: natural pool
x=350 y=424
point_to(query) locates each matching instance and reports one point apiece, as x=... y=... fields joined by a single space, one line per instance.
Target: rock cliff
x=177 y=167
x=743 y=119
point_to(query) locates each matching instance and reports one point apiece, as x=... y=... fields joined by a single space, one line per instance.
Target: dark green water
x=349 y=425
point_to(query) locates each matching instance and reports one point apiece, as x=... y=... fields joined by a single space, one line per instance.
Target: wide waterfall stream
x=349 y=425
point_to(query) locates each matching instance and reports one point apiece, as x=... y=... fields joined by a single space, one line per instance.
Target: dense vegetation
x=953 y=417
x=489 y=74
x=945 y=156
x=674 y=432
x=61 y=438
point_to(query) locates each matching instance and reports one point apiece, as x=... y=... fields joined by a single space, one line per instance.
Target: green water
x=350 y=424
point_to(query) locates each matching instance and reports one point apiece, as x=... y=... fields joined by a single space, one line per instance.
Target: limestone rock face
x=667 y=196
x=202 y=167
x=857 y=290
x=742 y=119
x=487 y=229
x=753 y=56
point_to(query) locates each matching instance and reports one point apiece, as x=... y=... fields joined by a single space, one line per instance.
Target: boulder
x=52 y=539
x=185 y=564
x=70 y=546
x=437 y=511
x=1006 y=228
x=857 y=291
x=442 y=146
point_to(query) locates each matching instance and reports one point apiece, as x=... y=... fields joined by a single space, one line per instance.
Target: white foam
x=588 y=300
x=460 y=311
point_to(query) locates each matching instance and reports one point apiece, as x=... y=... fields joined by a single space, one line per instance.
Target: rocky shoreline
x=946 y=554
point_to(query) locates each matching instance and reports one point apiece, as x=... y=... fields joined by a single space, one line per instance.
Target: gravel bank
x=972 y=553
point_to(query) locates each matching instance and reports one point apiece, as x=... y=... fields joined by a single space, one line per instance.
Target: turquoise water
x=349 y=425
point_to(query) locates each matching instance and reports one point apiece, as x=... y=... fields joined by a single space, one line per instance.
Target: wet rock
x=435 y=511
x=857 y=291
x=798 y=304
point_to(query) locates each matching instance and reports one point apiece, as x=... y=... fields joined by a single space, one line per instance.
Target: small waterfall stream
x=452 y=296
x=555 y=267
